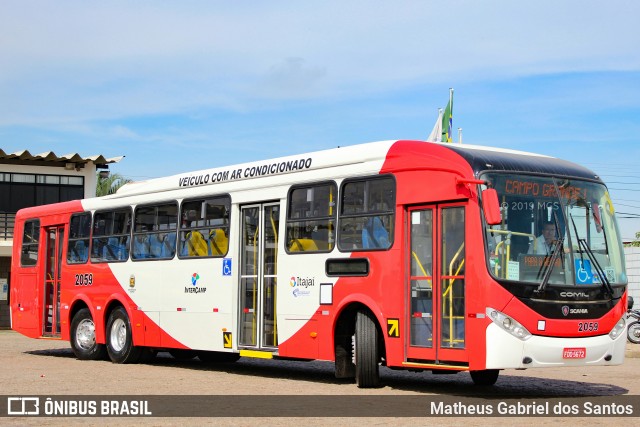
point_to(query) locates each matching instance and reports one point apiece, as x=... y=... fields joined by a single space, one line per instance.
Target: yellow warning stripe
x=256 y=354
x=434 y=366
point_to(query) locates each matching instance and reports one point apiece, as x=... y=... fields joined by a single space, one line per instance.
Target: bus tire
x=119 y=338
x=83 y=337
x=633 y=332
x=366 y=351
x=217 y=357
x=485 y=378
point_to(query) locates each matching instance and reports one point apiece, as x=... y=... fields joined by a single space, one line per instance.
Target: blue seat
x=155 y=245
x=140 y=247
x=110 y=250
x=168 y=245
x=80 y=252
x=374 y=235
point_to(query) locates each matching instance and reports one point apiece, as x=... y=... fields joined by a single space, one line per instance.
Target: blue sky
x=178 y=86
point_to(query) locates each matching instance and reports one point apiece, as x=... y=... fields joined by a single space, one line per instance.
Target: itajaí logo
x=303 y=282
x=195 y=289
x=300 y=285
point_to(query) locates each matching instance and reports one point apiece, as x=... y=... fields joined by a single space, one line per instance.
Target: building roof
x=50 y=158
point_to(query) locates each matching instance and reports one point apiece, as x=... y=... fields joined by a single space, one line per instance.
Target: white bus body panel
x=198 y=319
x=506 y=351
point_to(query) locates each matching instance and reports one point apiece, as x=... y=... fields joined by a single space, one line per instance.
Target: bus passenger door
x=436 y=284
x=54 y=242
x=258 y=276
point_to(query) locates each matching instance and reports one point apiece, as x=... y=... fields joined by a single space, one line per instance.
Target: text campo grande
x=248 y=172
x=533 y=408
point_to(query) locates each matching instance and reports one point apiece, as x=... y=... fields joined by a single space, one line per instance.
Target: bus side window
x=110 y=240
x=367 y=214
x=79 y=230
x=311 y=218
x=204 y=229
x=154 y=231
x=30 y=238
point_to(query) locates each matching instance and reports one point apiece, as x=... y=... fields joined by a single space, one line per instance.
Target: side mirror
x=491 y=206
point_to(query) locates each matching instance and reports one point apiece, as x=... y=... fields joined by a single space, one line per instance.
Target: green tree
x=110 y=184
x=635 y=242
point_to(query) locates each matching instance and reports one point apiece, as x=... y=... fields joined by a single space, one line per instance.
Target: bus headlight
x=509 y=324
x=618 y=329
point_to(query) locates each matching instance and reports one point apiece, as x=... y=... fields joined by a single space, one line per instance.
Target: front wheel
x=83 y=337
x=486 y=377
x=633 y=332
x=366 y=351
x=119 y=338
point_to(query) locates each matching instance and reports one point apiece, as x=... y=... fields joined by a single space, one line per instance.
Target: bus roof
x=488 y=159
x=362 y=159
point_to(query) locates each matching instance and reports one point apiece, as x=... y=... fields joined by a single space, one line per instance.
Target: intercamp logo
x=194 y=279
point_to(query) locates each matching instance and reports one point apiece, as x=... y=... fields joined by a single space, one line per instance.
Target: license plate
x=574 y=353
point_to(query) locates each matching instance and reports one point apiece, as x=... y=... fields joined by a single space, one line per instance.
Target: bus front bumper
x=506 y=351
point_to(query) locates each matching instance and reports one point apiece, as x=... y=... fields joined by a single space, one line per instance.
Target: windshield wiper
x=555 y=254
x=583 y=246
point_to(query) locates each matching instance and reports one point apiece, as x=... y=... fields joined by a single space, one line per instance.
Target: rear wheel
x=119 y=338
x=633 y=332
x=83 y=337
x=366 y=351
x=486 y=377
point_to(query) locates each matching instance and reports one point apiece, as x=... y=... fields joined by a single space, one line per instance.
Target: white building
x=31 y=180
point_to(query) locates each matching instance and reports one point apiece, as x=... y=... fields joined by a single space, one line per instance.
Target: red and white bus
x=408 y=254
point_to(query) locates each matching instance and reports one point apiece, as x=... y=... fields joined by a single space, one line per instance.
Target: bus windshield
x=554 y=231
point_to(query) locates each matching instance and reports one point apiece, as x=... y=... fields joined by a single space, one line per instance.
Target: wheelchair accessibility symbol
x=226 y=266
x=584 y=276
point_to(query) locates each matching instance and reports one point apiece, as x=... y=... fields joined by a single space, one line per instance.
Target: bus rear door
x=258 y=276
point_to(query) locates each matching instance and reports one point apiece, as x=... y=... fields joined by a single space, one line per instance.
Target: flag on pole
x=447 y=120
x=443 y=129
x=436 y=133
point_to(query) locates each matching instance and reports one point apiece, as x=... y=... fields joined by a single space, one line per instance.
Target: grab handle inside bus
x=491 y=206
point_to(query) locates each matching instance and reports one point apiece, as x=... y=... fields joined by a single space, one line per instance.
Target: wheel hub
x=86 y=334
x=118 y=335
